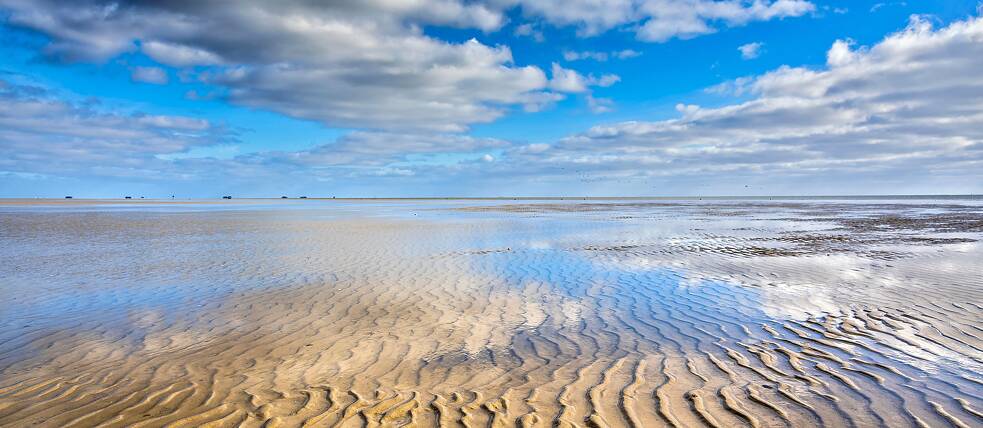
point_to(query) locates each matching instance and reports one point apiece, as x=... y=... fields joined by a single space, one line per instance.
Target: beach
x=643 y=313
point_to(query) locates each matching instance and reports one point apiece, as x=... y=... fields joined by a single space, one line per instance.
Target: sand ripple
x=762 y=315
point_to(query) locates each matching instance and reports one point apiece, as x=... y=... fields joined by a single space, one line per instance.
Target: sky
x=435 y=98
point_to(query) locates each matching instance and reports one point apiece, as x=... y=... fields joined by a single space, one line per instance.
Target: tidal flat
x=645 y=313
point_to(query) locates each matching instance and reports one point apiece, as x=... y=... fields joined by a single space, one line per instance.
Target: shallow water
x=611 y=313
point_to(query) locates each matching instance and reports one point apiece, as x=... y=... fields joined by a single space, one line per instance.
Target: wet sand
x=493 y=313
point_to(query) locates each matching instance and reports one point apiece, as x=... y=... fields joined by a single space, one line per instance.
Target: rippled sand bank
x=524 y=314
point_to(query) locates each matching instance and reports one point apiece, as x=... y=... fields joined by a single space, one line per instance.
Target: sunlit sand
x=492 y=313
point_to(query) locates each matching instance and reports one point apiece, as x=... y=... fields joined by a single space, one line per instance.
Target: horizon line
x=543 y=197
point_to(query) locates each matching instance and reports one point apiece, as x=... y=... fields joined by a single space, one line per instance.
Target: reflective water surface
x=531 y=313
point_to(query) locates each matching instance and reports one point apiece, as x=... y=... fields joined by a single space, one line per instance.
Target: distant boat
x=127 y=197
x=303 y=197
x=283 y=197
x=226 y=197
x=68 y=197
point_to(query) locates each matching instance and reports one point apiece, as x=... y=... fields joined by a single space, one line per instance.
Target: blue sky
x=496 y=98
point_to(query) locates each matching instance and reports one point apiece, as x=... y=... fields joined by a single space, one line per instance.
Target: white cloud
x=153 y=75
x=590 y=16
x=909 y=108
x=907 y=111
x=42 y=133
x=576 y=56
x=368 y=64
x=661 y=20
x=750 y=50
x=840 y=53
x=527 y=30
x=687 y=109
x=345 y=64
x=599 y=56
x=377 y=149
x=605 y=80
x=627 y=53
x=599 y=105
x=878 y=6
x=566 y=80
x=179 y=55
x=180 y=123
x=533 y=148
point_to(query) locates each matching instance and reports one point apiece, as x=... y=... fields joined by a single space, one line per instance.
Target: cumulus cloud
x=907 y=111
x=366 y=64
x=909 y=108
x=566 y=80
x=661 y=20
x=750 y=50
x=345 y=64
